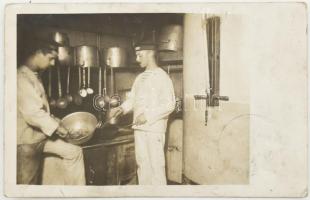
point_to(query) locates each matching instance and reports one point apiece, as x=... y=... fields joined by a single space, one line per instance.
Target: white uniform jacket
x=34 y=122
x=152 y=94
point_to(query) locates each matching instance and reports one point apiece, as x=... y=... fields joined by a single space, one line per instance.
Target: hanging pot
x=65 y=56
x=171 y=38
x=60 y=38
x=111 y=120
x=86 y=56
x=115 y=57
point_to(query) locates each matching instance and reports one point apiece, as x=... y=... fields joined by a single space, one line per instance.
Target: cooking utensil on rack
x=77 y=99
x=99 y=100
x=61 y=101
x=52 y=101
x=68 y=95
x=105 y=94
x=83 y=91
x=89 y=89
x=112 y=81
x=114 y=99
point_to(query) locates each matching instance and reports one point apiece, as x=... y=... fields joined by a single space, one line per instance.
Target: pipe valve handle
x=222 y=98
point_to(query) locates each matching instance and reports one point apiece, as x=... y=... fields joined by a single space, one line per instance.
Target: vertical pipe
x=216 y=57
x=213 y=57
x=218 y=45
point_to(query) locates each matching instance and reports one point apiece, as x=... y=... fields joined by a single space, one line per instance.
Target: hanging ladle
x=104 y=93
x=68 y=96
x=52 y=101
x=83 y=91
x=61 y=101
x=115 y=98
x=99 y=100
x=77 y=99
x=89 y=89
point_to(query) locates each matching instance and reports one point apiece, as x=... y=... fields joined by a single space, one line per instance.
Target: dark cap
x=145 y=46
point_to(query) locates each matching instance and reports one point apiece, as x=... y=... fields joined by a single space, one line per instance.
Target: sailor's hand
x=115 y=112
x=140 y=119
x=62 y=131
x=56 y=118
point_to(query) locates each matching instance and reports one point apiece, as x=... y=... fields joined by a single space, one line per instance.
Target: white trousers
x=150 y=157
x=63 y=164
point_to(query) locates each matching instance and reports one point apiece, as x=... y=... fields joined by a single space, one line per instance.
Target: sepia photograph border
x=256 y=186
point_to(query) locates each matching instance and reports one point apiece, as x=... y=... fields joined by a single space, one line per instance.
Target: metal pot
x=65 y=55
x=115 y=57
x=61 y=38
x=111 y=120
x=171 y=38
x=115 y=101
x=81 y=126
x=86 y=56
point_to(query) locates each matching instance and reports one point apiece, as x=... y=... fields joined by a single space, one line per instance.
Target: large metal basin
x=81 y=126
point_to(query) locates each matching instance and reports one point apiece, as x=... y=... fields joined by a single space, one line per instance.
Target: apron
x=29 y=163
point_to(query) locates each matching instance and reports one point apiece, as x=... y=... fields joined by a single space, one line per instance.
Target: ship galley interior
x=94 y=73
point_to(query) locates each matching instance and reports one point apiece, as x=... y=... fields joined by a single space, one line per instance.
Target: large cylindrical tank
x=171 y=38
x=60 y=38
x=65 y=55
x=86 y=56
x=115 y=57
